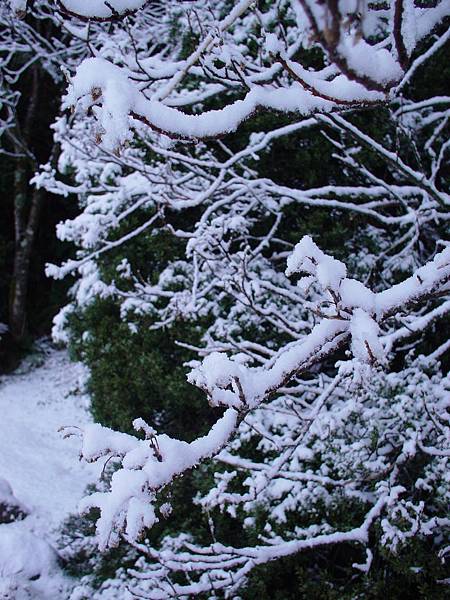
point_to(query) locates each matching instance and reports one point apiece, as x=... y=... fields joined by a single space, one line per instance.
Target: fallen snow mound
x=23 y=554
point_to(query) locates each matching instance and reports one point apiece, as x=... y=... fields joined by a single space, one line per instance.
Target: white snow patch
x=42 y=467
x=41 y=470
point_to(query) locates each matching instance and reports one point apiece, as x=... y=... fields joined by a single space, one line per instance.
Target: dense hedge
x=140 y=373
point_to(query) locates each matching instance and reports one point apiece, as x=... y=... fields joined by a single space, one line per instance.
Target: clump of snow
x=97 y=79
x=273 y=44
x=23 y=554
x=366 y=345
x=308 y=258
x=368 y=61
x=100 y=8
x=107 y=90
x=18 y=6
x=216 y=373
x=146 y=468
x=356 y=294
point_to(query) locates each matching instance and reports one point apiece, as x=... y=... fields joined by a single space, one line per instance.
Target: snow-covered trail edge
x=41 y=466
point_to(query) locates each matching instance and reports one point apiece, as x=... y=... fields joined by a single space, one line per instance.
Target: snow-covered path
x=43 y=468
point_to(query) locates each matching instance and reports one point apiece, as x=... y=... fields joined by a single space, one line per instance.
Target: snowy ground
x=42 y=468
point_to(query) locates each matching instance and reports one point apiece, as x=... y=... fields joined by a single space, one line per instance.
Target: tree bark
x=25 y=234
x=27 y=208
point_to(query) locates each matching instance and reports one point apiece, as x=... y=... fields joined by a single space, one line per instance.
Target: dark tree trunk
x=25 y=235
x=27 y=208
x=29 y=231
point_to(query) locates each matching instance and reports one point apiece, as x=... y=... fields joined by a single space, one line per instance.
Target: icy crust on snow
x=147 y=466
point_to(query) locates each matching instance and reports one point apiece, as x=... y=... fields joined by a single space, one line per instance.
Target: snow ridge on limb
x=98 y=82
x=99 y=10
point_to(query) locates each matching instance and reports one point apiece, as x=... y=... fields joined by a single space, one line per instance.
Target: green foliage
x=138 y=374
x=80 y=555
x=142 y=374
x=327 y=574
x=136 y=371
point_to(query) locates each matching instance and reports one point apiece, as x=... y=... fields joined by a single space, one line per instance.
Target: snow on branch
x=100 y=10
x=227 y=567
x=99 y=82
x=360 y=72
x=147 y=466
